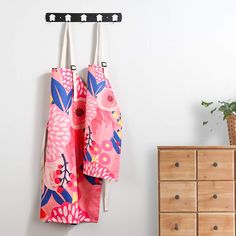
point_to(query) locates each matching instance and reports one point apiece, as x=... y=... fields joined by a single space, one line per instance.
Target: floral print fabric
x=103 y=127
x=83 y=141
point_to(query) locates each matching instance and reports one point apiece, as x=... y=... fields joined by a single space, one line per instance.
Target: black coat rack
x=83 y=17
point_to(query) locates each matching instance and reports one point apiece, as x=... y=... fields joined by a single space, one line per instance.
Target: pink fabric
x=82 y=147
x=102 y=127
x=68 y=196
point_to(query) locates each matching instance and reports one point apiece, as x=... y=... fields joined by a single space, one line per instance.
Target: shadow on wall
x=152 y=191
x=214 y=133
x=35 y=226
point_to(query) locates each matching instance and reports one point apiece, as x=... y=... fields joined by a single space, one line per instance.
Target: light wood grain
x=224 y=192
x=177 y=164
x=176 y=224
x=204 y=180
x=216 y=164
x=186 y=192
x=224 y=224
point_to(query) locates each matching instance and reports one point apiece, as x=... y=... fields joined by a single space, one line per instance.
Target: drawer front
x=177 y=164
x=216 y=164
x=177 y=196
x=216 y=196
x=177 y=224
x=217 y=224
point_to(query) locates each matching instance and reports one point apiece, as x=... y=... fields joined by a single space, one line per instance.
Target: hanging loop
x=67 y=44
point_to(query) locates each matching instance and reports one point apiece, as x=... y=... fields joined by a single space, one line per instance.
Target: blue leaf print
x=90 y=179
x=66 y=196
x=93 y=180
x=70 y=94
x=116 y=137
x=116 y=142
x=44 y=191
x=93 y=87
x=60 y=97
x=46 y=197
x=57 y=198
x=88 y=156
x=116 y=147
x=100 y=87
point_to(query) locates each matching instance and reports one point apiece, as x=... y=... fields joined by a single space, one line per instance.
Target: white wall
x=164 y=58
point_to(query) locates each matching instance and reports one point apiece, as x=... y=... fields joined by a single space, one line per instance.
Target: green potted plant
x=228 y=109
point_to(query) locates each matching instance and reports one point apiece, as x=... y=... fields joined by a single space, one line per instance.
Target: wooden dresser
x=196 y=188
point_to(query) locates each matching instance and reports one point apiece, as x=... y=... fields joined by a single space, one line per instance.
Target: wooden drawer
x=216 y=164
x=216 y=196
x=217 y=224
x=177 y=224
x=177 y=196
x=177 y=164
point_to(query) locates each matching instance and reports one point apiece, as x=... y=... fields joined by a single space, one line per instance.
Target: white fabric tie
x=65 y=45
x=99 y=60
x=68 y=44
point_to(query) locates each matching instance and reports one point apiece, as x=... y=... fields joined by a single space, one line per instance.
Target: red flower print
x=95 y=149
x=106 y=145
x=69 y=213
x=104 y=158
x=42 y=213
x=78 y=114
x=96 y=170
x=106 y=100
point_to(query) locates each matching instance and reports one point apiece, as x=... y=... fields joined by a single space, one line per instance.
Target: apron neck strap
x=98 y=56
x=65 y=45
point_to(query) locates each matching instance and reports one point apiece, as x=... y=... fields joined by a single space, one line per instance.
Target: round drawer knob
x=215 y=196
x=177 y=164
x=215 y=227
x=177 y=197
x=176 y=227
x=215 y=164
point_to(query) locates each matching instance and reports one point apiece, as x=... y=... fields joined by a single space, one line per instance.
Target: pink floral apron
x=82 y=142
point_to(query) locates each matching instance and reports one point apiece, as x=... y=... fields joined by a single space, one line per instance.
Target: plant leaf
x=212 y=111
x=206 y=104
x=222 y=108
x=226 y=114
x=59 y=95
x=232 y=106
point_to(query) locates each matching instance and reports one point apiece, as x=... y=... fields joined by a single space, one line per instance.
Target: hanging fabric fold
x=82 y=142
x=103 y=123
x=68 y=196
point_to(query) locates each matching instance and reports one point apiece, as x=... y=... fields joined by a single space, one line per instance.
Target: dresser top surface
x=197 y=147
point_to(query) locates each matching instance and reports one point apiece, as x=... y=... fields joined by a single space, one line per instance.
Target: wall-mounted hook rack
x=83 y=17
